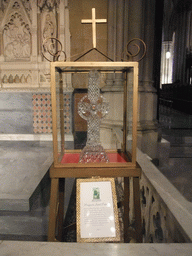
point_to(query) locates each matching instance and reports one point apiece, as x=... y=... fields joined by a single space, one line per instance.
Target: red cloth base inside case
x=74 y=158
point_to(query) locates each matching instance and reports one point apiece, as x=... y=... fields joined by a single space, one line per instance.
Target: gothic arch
x=16 y=39
x=16 y=32
x=48 y=25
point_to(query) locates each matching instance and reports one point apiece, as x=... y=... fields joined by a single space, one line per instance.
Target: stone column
x=125 y=26
x=65 y=40
x=34 y=33
x=115 y=36
x=114 y=89
x=135 y=19
x=141 y=25
x=119 y=38
x=148 y=134
x=1 y=46
x=39 y=36
x=61 y=17
x=111 y=21
x=1 y=56
x=180 y=47
x=111 y=28
x=128 y=20
x=67 y=34
x=190 y=31
x=119 y=29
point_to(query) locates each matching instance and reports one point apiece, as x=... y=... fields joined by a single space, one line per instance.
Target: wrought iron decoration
x=52 y=50
x=134 y=48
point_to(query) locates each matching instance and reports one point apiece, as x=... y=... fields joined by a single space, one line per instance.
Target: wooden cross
x=94 y=21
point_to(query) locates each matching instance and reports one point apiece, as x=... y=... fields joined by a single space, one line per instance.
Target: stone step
x=23 y=225
x=28 y=225
x=32 y=225
x=179 y=140
x=23 y=167
x=180 y=152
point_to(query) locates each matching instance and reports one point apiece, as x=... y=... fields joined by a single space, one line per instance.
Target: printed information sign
x=97 y=214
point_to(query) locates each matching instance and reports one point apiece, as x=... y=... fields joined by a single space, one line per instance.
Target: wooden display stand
x=122 y=163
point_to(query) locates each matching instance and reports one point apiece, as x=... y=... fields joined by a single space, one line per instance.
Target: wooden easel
x=58 y=176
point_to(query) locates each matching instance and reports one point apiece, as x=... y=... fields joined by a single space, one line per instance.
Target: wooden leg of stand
x=126 y=209
x=61 y=207
x=137 y=208
x=53 y=209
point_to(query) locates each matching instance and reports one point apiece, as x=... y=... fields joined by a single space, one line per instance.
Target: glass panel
x=110 y=106
x=129 y=84
x=58 y=111
x=63 y=113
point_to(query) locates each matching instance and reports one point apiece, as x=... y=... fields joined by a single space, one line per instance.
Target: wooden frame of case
x=85 y=67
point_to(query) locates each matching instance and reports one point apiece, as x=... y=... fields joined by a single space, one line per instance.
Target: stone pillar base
x=147 y=142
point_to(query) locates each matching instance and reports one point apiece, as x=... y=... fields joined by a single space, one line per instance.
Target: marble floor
x=13 y=248
x=23 y=165
x=25 y=189
x=24 y=198
x=177 y=129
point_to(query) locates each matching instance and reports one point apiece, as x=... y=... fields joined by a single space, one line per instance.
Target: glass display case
x=95 y=102
x=118 y=104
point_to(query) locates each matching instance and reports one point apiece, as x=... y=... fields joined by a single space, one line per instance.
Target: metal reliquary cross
x=93 y=107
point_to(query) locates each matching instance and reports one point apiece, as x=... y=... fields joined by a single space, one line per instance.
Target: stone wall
x=30 y=113
x=25 y=100
x=81 y=34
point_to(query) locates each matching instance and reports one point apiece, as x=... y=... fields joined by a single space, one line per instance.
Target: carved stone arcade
x=24 y=25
